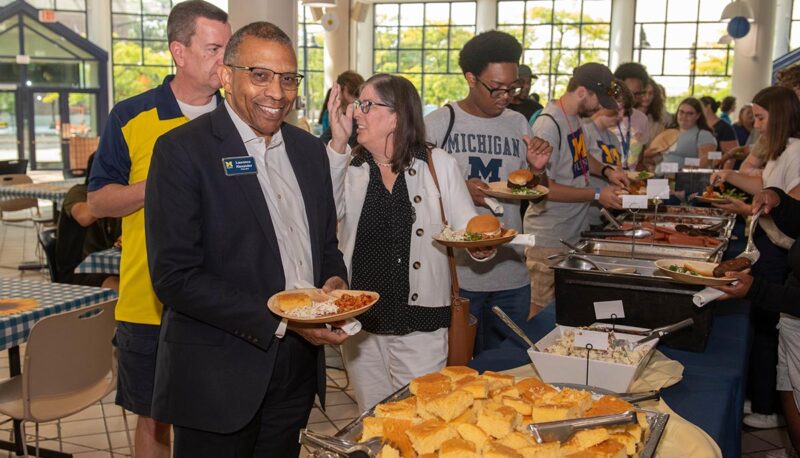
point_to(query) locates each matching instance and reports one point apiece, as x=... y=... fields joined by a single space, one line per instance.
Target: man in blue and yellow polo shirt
x=197 y=32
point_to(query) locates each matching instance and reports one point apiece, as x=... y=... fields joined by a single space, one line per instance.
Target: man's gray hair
x=182 y=21
x=261 y=30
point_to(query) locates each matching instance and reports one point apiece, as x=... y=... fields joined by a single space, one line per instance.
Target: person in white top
x=777 y=118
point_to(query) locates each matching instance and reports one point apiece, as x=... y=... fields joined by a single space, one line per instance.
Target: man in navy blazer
x=236 y=201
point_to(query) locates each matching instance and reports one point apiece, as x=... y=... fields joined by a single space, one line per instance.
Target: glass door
x=46 y=151
x=10 y=141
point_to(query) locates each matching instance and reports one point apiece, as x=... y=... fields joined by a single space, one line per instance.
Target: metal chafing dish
x=650 y=300
x=671 y=219
x=645 y=250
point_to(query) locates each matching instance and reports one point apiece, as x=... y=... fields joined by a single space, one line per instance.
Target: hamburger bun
x=291 y=301
x=485 y=225
x=522 y=178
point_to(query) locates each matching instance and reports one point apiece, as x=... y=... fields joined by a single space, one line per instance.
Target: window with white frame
x=310 y=48
x=557 y=36
x=794 y=32
x=422 y=41
x=677 y=41
x=71 y=13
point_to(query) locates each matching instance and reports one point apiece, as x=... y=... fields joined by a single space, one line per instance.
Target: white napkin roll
x=524 y=240
x=350 y=327
x=495 y=206
x=706 y=295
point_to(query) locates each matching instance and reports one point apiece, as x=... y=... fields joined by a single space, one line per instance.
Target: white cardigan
x=428 y=272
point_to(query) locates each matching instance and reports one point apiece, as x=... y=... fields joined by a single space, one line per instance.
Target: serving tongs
x=656 y=333
x=562 y=430
x=637 y=233
x=342 y=447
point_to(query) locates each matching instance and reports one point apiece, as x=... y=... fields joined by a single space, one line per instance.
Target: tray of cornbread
x=458 y=413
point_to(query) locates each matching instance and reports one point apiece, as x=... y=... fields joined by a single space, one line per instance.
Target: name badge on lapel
x=242 y=165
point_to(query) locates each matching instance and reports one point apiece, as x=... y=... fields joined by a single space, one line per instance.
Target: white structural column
x=486 y=15
x=98 y=13
x=282 y=13
x=622 y=33
x=337 y=48
x=783 y=25
x=361 y=46
x=752 y=61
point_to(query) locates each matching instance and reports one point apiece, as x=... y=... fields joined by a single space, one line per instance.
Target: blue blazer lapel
x=308 y=188
x=231 y=145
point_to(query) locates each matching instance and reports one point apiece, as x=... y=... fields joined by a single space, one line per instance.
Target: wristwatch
x=603 y=170
x=596 y=193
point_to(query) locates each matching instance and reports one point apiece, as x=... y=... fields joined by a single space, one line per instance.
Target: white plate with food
x=521 y=185
x=640 y=176
x=702 y=273
x=482 y=231
x=311 y=305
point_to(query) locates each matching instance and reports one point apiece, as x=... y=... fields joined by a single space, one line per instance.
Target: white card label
x=715 y=155
x=598 y=340
x=669 y=167
x=609 y=310
x=524 y=240
x=658 y=188
x=629 y=201
x=692 y=162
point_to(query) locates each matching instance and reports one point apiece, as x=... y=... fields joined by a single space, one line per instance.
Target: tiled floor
x=84 y=434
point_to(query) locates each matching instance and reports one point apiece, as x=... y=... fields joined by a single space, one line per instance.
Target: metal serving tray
x=656 y=420
x=670 y=220
x=645 y=250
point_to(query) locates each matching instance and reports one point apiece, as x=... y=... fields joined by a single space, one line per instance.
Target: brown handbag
x=463 y=326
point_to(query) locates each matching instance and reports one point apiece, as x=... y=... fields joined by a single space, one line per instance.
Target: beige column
x=363 y=40
x=752 y=61
x=337 y=43
x=282 y=13
x=783 y=25
x=622 y=33
x=486 y=15
x=98 y=14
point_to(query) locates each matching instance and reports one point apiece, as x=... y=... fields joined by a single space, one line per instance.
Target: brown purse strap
x=451 y=258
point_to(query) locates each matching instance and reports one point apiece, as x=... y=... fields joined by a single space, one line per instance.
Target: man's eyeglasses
x=365 y=106
x=261 y=76
x=498 y=92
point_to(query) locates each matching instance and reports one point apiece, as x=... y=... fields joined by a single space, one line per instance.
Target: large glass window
x=421 y=41
x=794 y=33
x=310 y=44
x=677 y=40
x=557 y=36
x=71 y=13
x=140 y=52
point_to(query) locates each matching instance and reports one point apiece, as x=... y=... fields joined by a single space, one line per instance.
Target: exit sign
x=47 y=16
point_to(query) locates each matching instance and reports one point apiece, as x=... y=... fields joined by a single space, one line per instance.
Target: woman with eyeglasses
x=388 y=209
x=695 y=140
x=777 y=117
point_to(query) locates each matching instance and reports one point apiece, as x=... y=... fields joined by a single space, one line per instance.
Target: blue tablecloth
x=52 y=297
x=101 y=262
x=711 y=393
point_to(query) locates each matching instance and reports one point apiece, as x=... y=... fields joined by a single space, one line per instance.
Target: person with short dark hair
x=523 y=103
x=789 y=77
x=349 y=83
x=239 y=207
x=198 y=32
x=563 y=215
x=723 y=131
x=489 y=142
x=633 y=132
x=727 y=107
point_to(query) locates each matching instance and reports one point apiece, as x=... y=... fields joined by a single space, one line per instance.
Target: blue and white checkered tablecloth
x=52 y=297
x=101 y=262
x=52 y=190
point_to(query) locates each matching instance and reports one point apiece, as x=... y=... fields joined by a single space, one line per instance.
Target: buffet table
x=711 y=393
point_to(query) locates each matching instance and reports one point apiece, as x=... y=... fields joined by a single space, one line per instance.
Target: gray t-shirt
x=569 y=166
x=604 y=146
x=687 y=145
x=488 y=149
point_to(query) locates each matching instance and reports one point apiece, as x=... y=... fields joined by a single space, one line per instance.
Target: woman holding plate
x=777 y=118
x=388 y=209
x=695 y=140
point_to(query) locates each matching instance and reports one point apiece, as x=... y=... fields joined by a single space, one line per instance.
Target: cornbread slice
x=552 y=412
x=608 y=449
x=521 y=406
x=608 y=405
x=584 y=439
x=529 y=383
x=540 y=395
x=524 y=422
x=497 y=380
x=388 y=452
x=473 y=434
x=291 y=301
x=496 y=450
x=627 y=440
x=517 y=440
x=477 y=387
x=429 y=435
x=583 y=399
x=394 y=432
x=458 y=448
x=372 y=427
x=506 y=391
x=469 y=416
x=457 y=373
x=430 y=385
x=447 y=406
x=405 y=409
x=546 y=450
x=498 y=422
